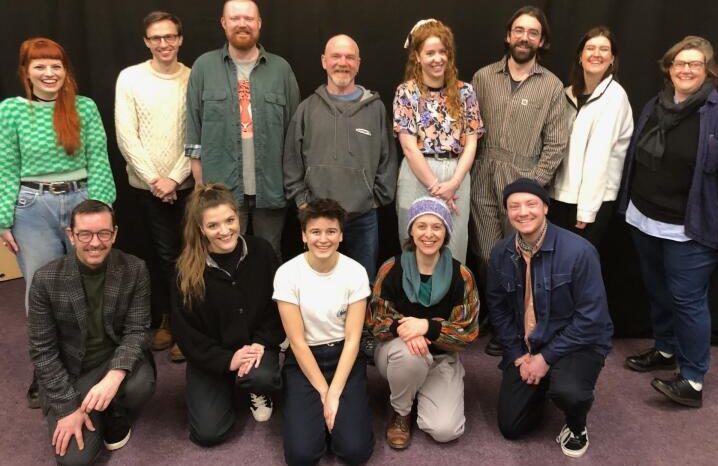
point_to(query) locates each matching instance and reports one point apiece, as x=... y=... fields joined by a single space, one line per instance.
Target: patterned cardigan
x=452 y=322
x=58 y=322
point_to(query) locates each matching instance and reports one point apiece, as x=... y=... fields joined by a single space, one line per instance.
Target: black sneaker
x=650 y=360
x=117 y=428
x=493 y=347
x=571 y=444
x=679 y=390
x=33 y=394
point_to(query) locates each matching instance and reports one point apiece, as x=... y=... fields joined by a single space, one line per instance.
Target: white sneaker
x=573 y=445
x=261 y=407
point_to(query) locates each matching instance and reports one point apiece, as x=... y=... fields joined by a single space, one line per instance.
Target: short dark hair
x=540 y=16
x=326 y=208
x=91 y=206
x=157 y=16
x=578 y=83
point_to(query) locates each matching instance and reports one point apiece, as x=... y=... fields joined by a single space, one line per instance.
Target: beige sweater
x=150 y=124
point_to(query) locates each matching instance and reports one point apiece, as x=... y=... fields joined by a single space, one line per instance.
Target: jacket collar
x=367 y=97
x=502 y=66
x=213 y=264
x=548 y=244
x=595 y=95
x=260 y=58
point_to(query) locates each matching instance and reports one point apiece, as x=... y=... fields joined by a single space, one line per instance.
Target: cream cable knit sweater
x=150 y=124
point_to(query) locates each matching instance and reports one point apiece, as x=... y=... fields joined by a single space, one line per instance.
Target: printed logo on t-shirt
x=245 y=108
x=363 y=131
x=342 y=313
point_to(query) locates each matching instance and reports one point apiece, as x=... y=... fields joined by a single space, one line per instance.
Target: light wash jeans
x=39 y=228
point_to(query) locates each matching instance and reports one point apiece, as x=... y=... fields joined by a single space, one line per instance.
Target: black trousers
x=564 y=215
x=569 y=383
x=134 y=391
x=305 y=432
x=164 y=223
x=210 y=397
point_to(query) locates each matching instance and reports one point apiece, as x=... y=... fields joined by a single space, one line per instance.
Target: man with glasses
x=150 y=123
x=89 y=323
x=240 y=100
x=521 y=104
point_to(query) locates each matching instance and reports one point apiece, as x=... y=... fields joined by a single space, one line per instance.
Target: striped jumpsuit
x=526 y=136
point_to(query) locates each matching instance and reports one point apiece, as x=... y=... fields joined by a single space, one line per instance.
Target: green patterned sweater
x=29 y=150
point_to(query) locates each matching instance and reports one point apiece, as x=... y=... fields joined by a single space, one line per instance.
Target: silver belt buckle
x=58 y=188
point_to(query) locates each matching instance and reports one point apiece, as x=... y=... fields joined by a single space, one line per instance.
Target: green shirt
x=98 y=346
x=29 y=150
x=214 y=129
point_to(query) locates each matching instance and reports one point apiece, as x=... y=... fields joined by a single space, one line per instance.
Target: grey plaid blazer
x=58 y=322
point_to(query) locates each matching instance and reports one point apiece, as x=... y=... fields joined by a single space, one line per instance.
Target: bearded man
x=526 y=133
x=240 y=99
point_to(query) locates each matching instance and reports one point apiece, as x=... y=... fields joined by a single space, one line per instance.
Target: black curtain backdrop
x=104 y=36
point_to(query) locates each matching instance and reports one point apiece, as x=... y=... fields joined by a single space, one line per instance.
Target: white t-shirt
x=323 y=298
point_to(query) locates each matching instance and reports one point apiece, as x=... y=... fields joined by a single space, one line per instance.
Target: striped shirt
x=525 y=127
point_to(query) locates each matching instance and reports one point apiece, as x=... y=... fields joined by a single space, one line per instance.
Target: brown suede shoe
x=176 y=354
x=163 y=336
x=398 y=433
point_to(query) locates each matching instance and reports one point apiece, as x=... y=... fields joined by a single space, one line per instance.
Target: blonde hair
x=193 y=258
x=417 y=38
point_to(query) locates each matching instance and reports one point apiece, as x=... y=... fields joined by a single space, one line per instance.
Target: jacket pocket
x=275 y=104
x=561 y=299
x=346 y=185
x=214 y=102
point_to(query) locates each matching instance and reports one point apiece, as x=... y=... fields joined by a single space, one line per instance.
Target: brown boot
x=163 y=337
x=176 y=354
x=398 y=433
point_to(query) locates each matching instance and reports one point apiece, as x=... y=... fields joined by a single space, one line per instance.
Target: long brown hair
x=65 y=119
x=413 y=67
x=192 y=260
x=576 y=78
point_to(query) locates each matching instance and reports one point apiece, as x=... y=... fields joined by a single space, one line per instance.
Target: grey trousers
x=409 y=189
x=436 y=381
x=135 y=390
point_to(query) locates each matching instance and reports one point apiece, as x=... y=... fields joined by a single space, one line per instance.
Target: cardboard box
x=8 y=265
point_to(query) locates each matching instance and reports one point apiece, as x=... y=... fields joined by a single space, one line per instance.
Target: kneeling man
x=89 y=318
x=547 y=304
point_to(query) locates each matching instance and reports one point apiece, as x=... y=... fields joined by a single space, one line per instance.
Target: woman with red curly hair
x=53 y=155
x=436 y=118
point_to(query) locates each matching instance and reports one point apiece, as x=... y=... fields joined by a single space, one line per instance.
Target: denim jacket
x=569 y=298
x=213 y=122
x=701 y=221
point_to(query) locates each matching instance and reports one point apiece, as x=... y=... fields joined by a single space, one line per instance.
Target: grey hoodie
x=345 y=155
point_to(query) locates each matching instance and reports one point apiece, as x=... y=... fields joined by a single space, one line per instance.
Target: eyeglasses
x=171 y=39
x=518 y=31
x=692 y=65
x=85 y=236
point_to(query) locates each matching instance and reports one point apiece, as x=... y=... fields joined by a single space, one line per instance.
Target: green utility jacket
x=213 y=121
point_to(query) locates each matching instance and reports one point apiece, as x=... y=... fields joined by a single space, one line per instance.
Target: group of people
x=513 y=168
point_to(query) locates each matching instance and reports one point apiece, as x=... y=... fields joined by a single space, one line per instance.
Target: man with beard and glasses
x=338 y=147
x=240 y=100
x=89 y=318
x=150 y=126
x=526 y=133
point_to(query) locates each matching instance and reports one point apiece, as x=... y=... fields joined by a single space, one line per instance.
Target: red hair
x=65 y=118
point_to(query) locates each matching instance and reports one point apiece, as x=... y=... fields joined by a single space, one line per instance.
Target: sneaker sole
x=120 y=444
x=398 y=446
x=574 y=453
x=677 y=399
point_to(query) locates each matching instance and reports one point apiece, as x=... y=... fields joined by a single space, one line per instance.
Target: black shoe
x=571 y=444
x=650 y=360
x=117 y=428
x=679 y=390
x=494 y=348
x=33 y=394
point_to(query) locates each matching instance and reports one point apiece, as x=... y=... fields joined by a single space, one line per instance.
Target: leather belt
x=58 y=187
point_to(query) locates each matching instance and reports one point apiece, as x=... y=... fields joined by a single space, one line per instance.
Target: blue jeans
x=39 y=228
x=676 y=277
x=361 y=241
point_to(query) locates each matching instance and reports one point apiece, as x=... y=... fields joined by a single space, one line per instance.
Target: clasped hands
x=164 y=188
x=446 y=190
x=412 y=330
x=246 y=358
x=532 y=368
x=97 y=399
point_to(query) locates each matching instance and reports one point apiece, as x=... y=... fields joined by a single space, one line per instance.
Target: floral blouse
x=428 y=118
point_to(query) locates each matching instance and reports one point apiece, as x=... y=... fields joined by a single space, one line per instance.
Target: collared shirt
x=213 y=122
x=527 y=123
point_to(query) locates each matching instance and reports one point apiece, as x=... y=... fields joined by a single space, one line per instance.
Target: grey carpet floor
x=630 y=423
